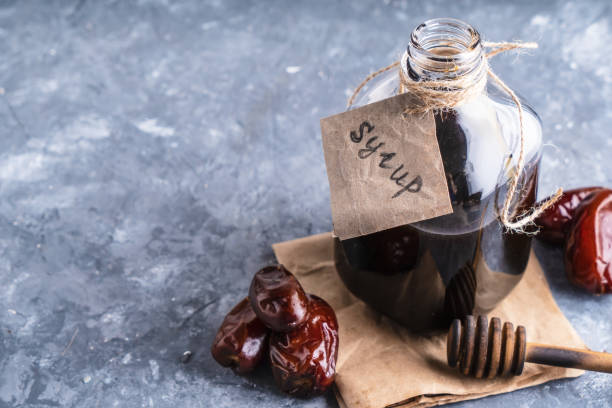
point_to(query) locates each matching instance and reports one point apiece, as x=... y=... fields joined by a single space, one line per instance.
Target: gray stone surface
x=152 y=151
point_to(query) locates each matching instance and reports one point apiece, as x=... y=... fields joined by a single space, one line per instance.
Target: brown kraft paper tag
x=384 y=167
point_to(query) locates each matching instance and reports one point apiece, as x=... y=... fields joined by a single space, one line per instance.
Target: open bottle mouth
x=443 y=49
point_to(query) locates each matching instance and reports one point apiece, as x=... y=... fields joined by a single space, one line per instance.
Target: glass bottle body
x=425 y=274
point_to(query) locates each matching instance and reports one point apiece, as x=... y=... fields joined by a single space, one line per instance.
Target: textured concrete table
x=152 y=151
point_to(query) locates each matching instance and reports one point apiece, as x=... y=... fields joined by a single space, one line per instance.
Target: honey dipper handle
x=569 y=357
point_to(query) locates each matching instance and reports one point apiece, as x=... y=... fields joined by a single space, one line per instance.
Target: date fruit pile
x=298 y=331
x=582 y=221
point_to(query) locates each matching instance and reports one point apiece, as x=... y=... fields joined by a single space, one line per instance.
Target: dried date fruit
x=241 y=340
x=278 y=298
x=392 y=251
x=304 y=361
x=588 y=248
x=554 y=221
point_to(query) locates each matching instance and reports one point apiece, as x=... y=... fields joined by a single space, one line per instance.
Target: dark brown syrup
x=424 y=279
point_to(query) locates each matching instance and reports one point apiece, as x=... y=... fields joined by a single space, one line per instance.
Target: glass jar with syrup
x=425 y=274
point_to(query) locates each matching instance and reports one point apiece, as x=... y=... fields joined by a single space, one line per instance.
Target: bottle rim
x=443 y=48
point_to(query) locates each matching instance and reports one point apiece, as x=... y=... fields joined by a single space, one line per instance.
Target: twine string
x=368 y=79
x=443 y=95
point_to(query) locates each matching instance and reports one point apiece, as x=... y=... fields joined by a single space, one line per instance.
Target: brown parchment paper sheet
x=381 y=364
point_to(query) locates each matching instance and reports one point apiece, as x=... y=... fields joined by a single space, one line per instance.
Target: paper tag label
x=384 y=168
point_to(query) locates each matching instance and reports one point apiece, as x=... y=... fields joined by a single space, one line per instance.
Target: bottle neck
x=445 y=49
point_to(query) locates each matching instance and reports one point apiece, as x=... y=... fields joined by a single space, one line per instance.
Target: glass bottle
x=425 y=274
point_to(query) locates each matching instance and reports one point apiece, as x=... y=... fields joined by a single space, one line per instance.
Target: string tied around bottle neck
x=444 y=95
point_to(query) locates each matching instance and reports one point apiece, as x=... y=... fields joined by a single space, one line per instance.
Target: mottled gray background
x=152 y=151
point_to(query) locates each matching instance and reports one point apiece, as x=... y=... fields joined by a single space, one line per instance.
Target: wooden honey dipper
x=487 y=350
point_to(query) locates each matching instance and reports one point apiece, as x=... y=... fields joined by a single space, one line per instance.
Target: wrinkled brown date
x=393 y=251
x=241 y=340
x=278 y=298
x=304 y=360
x=588 y=248
x=554 y=221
